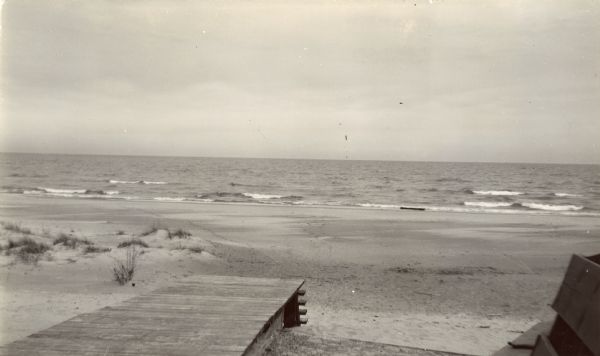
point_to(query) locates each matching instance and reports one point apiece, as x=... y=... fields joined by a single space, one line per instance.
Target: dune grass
x=26 y=249
x=95 y=249
x=132 y=242
x=193 y=249
x=17 y=228
x=152 y=229
x=70 y=241
x=123 y=270
x=179 y=233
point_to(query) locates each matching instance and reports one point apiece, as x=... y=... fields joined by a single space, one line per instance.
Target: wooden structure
x=203 y=315
x=576 y=329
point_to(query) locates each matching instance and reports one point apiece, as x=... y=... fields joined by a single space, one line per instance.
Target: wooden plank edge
x=274 y=324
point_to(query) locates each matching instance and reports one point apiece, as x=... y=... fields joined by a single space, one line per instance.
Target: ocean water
x=458 y=187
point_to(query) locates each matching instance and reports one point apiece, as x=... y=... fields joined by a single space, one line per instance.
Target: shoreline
x=429 y=209
x=439 y=280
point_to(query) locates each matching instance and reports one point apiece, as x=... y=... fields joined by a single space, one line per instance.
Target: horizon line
x=291 y=158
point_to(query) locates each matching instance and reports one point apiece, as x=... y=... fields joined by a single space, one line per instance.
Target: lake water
x=460 y=187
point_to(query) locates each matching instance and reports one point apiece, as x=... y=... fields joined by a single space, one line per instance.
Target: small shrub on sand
x=132 y=242
x=26 y=249
x=16 y=228
x=120 y=232
x=28 y=244
x=70 y=241
x=123 y=271
x=180 y=234
x=196 y=249
x=96 y=249
x=150 y=230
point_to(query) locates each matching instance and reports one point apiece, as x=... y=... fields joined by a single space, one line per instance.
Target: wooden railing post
x=292 y=311
x=291 y=317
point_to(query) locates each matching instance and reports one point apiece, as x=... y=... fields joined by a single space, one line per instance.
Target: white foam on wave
x=114 y=181
x=33 y=192
x=75 y=193
x=380 y=206
x=168 y=199
x=456 y=209
x=62 y=191
x=549 y=207
x=487 y=204
x=306 y=202
x=496 y=192
x=44 y=193
x=260 y=196
x=564 y=195
x=93 y=196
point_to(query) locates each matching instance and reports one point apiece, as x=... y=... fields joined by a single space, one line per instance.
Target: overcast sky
x=507 y=81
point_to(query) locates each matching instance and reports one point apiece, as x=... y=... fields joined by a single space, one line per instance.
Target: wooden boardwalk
x=203 y=315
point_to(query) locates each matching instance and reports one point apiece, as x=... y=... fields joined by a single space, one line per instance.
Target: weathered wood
x=522 y=345
x=528 y=339
x=578 y=306
x=212 y=315
x=543 y=347
x=290 y=313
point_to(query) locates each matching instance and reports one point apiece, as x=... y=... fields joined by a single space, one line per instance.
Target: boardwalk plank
x=204 y=315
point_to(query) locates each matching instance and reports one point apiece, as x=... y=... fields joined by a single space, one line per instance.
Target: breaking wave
x=262 y=196
x=496 y=192
x=248 y=197
x=487 y=204
x=550 y=207
x=169 y=199
x=71 y=191
x=566 y=195
x=380 y=206
x=113 y=181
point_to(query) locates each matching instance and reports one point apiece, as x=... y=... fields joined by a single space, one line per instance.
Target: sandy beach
x=456 y=282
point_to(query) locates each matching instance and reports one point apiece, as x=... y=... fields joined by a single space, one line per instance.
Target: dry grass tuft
x=14 y=227
x=180 y=234
x=70 y=241
x=132 y=242
x=152 y=229
x=26 y=249
x=96 y=249
x=123 y=271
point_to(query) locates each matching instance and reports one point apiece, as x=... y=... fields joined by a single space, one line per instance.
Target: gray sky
x=478 y=80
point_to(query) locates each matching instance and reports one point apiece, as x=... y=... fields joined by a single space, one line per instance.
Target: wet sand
x=445 y=281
